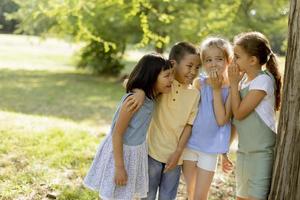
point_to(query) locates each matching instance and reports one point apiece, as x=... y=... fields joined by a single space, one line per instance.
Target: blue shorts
x=167 y=183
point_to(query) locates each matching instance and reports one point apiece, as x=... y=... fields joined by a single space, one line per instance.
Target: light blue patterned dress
x=100 y=177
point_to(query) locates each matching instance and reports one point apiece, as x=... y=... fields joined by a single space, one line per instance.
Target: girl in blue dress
x=120 y=167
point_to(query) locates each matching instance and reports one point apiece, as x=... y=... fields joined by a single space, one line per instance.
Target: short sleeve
x=194 y=111
x=263 y=82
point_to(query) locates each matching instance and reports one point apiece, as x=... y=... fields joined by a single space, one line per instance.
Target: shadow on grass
x=78 y=97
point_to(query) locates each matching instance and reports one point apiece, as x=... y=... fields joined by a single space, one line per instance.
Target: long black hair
x=145 y=73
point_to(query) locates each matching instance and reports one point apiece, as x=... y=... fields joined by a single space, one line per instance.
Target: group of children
x=172 y=119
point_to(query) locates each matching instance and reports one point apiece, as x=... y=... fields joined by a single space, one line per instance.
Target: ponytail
x=272 y=67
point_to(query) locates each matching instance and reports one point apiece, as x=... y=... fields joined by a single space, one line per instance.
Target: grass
x=77 y=97
x=52 y=118
x=48 y=111
x=37 y=163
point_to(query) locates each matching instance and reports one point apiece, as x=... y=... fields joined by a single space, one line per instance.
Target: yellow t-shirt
x=172 y=112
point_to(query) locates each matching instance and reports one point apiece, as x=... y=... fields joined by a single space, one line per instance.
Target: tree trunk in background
x=286 y=173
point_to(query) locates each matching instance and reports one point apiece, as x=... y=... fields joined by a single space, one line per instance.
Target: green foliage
x=6 y=25
x=111 y=25
x=100 y=60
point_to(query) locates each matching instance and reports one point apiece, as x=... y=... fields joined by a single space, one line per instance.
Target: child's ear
x=254 y=60
x=173 y=62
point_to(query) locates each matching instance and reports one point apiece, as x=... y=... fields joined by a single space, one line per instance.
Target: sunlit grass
x=37 y=163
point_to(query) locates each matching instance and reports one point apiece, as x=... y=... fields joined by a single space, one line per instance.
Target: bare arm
x=196 y=83
x=174 y=158
x=242 y=108
x=121 y=125
x=222 y=112
x=136 y=100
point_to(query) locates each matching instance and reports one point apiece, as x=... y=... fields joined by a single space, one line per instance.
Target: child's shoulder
x=193 y=92
x=263 y=79
x=200 y=81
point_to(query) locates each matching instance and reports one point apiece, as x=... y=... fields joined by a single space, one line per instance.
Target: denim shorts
x=166 y=183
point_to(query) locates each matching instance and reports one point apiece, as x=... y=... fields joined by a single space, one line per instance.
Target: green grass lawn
x=52 y=118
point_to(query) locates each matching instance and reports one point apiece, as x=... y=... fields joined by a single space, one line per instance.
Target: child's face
x=187 y=69
x=241 y=58
x=164 y=81
x=214 y=60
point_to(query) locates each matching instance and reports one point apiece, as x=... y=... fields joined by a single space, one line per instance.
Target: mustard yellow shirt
x=172 y=112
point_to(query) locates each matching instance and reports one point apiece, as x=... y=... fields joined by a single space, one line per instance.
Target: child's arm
x=174 y=158
x=121 y=125
x=196 y=83
x=136 y=100
x=226 y=162
x=222 y=112
x=242 y=108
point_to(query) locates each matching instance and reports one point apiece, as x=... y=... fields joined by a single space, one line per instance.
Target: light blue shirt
x=207 y=136
x=138 y=126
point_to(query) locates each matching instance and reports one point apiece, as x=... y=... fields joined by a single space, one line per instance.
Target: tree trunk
x=286 y=171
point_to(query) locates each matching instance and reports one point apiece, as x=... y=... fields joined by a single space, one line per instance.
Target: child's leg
x=155 y=169
x=169 y=184
x=240 y=198
x=190 y=159
x=203 y=182
x=190 y=174
x=207 y=164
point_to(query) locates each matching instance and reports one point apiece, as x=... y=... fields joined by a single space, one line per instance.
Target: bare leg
x=203 y=182
x=190 y=173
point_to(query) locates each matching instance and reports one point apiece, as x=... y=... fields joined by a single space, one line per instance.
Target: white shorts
x=204 y=161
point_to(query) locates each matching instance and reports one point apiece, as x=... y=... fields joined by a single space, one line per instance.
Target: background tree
x=286 y=174
x=6 y=25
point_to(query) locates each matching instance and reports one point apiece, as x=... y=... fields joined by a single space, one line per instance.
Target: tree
x=286 y=173
x=6 y=25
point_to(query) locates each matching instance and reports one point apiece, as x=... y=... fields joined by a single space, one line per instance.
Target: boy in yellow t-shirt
x=172 y=122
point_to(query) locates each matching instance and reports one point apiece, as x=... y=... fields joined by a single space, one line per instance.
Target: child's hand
x=215 y=80
x=120 y=176
x=172 y=161
x=135 y=101
x=234 y=74
x=227 y=165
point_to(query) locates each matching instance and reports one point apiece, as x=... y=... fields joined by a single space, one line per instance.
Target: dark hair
x=180 y=49
x=256 y=44
x=218 y=42
x=145 y=73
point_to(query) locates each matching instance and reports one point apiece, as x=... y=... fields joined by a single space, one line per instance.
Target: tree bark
x=286 y=171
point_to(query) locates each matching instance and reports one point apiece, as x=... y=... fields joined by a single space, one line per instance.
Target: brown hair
x=256 y=44
x=218 y=42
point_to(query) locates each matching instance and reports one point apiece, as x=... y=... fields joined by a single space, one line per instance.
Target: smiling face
x=164 y=81
x=214 y=60
x=187 y=68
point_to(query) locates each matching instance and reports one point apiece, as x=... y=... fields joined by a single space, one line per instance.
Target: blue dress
x=100 y=176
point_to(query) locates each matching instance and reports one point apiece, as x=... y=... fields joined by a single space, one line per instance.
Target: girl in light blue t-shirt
x=212 y=126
